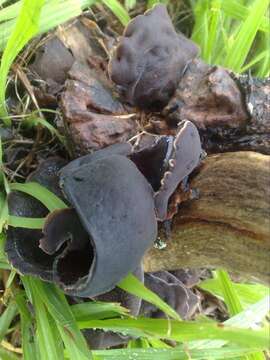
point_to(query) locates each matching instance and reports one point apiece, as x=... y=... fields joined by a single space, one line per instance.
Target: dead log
x=228 y=226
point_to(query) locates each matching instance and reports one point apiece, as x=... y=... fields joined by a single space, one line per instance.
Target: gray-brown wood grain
x=228 y=226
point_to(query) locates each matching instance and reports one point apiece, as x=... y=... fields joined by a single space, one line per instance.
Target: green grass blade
x=133 y=286
x=7 y=355
x=214 y=15
x=200 y=31
x=10 y=12
x=238 y=11
x=10 y=279
x=2 y=246
x=158 y=344
x=263 y=70
x=45 y=196
x=140 y=343
x=60 y=311
x=26 y=323
x=248 y=318
x=3 y=180
x=243 y=40
x=33 y=121
x=2 y=2
x=1 y=154
x=258 y=58
x=48 y=337
x=182 y=331
x=247 y=293
x=233 y=303
x=118 y=10
x=5 y=31
x=229 y=294
x=4 y=265
x=6 y=318
x=97 y=311
x=130 y=4
x=172 y=354
x=25 y=222
x=225 y=32
x=3 y=212
x=26 y=27
x=256 y=355
x=54 y=13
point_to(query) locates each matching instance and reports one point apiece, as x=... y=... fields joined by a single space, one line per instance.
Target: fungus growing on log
x=89 y=248
x=150 y=59
x=117 y=194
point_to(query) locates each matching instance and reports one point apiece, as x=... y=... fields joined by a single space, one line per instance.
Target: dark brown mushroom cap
x=150 y=59
x=115 y=205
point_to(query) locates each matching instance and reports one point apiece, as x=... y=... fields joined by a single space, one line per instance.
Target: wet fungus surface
x=150 y=59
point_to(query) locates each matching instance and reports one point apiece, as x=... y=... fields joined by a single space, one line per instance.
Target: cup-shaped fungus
x=150 y=59
x=115 y=205
x=89 y=248
x=185 y=156
x=116 y=196
x=168 y=160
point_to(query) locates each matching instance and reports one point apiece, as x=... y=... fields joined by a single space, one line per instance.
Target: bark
x=232 y=112
x=228 y=226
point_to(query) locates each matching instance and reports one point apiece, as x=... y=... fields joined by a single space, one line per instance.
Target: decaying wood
x=232 y=112
x=228 y=226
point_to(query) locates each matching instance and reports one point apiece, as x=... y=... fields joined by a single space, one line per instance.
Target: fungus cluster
x=116 y=195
